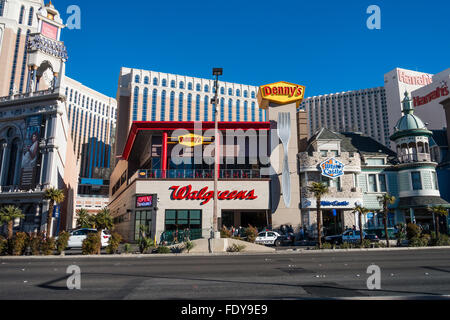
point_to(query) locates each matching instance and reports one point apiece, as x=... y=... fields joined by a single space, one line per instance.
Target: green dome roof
x=410 y=122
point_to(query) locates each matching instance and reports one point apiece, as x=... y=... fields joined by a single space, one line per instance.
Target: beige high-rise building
x=155 y=96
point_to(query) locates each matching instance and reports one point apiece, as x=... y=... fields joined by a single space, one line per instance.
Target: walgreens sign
x=205 y=195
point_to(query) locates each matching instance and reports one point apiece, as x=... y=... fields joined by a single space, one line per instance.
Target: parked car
x=77 y=237
x=351 y=236
x=272 y=238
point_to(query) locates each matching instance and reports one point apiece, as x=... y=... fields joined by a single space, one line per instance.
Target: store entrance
x=332 y=222
x=258 y=219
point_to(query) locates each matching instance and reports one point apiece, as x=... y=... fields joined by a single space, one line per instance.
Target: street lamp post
x=216 y=72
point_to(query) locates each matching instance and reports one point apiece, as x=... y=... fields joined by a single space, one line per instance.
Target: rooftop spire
x=407 y=105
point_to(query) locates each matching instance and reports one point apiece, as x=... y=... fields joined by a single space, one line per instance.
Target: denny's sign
x=280 y=93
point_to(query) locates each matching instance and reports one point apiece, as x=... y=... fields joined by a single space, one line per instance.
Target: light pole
x=215 y=101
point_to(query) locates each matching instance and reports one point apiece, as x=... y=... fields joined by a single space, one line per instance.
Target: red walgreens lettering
x=186 y=193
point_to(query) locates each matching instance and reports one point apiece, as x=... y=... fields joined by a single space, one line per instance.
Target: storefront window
x=183 y=219
x=143 y=218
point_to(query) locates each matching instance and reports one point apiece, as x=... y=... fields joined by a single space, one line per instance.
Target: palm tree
x=361 y=213
x=103 y=221
x=55 y=196
x=385 y=200
x=7 y=215
x=319 y=190
x=439 y=211
x=84 y=220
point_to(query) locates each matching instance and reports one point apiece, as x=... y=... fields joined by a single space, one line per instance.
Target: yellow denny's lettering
x=280 y=93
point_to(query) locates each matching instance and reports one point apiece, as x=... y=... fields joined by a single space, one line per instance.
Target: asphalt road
x=410 y=274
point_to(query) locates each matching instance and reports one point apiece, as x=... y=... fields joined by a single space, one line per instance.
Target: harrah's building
x=164 y=178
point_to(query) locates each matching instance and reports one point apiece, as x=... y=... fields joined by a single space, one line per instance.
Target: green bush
x=225 y=233
x=328 y=246
x=114 y=242
x=442 y=241
x=412 y=231
x=365 y=244
x=48 y=246
x=91 y=244
x=18 y=244
x=62 y=242
x=347 y=245
x=236 y=248
x=145 y=244
x=163 y=250
x=34 y=242
x=419 y=242
x=380 y=245
x=251 y=233
x=127 y=247
x=189 y=246
x=3 y=246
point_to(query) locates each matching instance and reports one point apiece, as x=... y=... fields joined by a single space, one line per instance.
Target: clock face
x=48 y=77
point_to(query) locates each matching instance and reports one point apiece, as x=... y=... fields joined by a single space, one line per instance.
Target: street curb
x=174 y=255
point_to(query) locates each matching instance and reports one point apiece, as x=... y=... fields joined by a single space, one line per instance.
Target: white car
x=77 y=237
x=270 y=238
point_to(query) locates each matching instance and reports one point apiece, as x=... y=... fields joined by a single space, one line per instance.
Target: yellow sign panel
x=190 y=140
x=280 y=93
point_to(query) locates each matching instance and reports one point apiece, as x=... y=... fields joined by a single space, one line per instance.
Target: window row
x=89 y=103
x=198 y=87
x=21 y=13
x=249 y=113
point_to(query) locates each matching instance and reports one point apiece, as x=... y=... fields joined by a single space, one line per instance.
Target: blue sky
x=324 y=45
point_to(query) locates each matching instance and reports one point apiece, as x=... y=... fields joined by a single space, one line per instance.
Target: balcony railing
x=198 y=174
x=419 y=157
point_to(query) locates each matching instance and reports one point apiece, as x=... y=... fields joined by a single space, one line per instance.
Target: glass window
x=154 y=102
x=198 y=87
x=164 y=83
x=230 y=92
x=145 y=105
x=173 y=84
x=180 y=106
x=30 y=16
x=135 y=103
x=222 y=90
x=155 y=81
x=172 y=106
x=2 y=7
x=435 y=181
x=206 y=88
x=190 y=86
x=253 y=95
x=206 y=106
x=189 y=107
x=416 y=180
x=245 y=94
x=146 y=80
x=22 y=12
x=382 y=182
x=373 y=183
x=143 y=218
x=163 y=105
x=238 y=92
x=181 y=85
x=137 y=79
x=323 y=153
x=197 y=108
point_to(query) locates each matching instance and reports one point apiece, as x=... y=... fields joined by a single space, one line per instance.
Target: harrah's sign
x=420 y=80
x=186 y=193
x=436 y=94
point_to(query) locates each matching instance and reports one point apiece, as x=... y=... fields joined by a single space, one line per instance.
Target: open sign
x=144 y=201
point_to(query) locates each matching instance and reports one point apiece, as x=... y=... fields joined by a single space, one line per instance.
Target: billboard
x=31 y=154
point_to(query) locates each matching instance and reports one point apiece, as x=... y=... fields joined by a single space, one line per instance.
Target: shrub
x=34 y=242
x=3 y=246
x=347 y=245
x=114 y=242
x=251 y=233
x=127 y=247
x=145 y=244
x=412 y=231
x=225 y=233
x=62 y=242
x=380 y=245
x=91 y=244
x=189 y=246
x=328 y=246
x=365 y=244
x=18 y=244
x=419 y=242
x=48 y=246
x=236 y=248
x=163 y=250
x=443 y=241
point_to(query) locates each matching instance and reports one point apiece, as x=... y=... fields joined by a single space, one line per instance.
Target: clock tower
x=46 y=53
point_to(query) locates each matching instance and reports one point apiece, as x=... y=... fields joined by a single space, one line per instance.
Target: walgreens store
x=165 y=178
